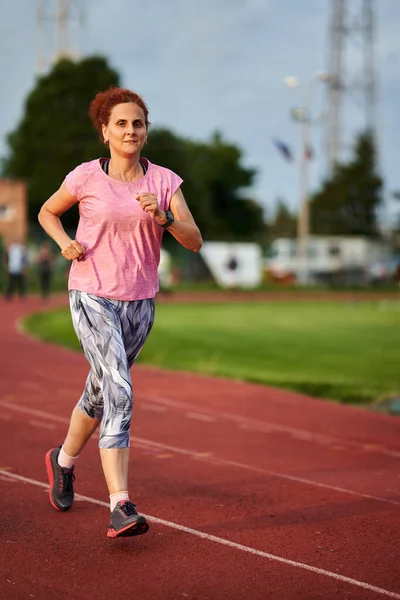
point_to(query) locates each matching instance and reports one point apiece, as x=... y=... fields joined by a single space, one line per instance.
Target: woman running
x=125 y=203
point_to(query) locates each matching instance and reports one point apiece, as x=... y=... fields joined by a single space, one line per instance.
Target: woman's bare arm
x=49 y=218
x=184 y=228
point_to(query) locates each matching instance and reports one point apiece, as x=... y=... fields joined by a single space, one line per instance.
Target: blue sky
x=203 y=65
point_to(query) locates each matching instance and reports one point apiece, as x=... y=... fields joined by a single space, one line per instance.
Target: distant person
x=397 y=273
x=16 y=266
x=125 y=204
x=232 y=266
x=45 y=260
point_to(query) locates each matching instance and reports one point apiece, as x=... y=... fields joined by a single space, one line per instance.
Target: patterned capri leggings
x=111 y=333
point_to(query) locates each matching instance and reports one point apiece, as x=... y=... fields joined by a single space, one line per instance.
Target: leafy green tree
x=236 y=217
x=214 y=181
x=176 y=153
x=55 y=133
x=284 y=223
x=348 y=202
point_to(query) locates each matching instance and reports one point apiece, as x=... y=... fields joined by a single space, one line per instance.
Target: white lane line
x=143 y=442
x=256 y=424
x=152 y=406
x=263 y=426
x=31 y=385
x=225 y=542
x=269 y=427
x=33 y=411
x=232 y=463
x=200 y=417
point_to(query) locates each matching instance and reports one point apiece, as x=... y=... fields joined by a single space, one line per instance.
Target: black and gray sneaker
x=61 y=480
x=125 y=521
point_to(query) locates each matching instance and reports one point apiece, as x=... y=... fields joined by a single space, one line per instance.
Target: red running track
x=252 y=492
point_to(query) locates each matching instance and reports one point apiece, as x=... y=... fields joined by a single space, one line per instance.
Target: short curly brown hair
x=103 y=103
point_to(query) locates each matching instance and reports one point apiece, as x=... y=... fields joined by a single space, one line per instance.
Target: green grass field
x=348 y=352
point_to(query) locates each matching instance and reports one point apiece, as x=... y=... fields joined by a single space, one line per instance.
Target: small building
x=328 y=257
x=13 y=211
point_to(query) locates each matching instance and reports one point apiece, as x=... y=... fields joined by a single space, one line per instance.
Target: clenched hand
x=73 y=251
x=149 y=204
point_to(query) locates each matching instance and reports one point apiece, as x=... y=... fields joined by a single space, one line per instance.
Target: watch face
x=170 y=218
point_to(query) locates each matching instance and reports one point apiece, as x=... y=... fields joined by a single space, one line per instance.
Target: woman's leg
x=85 y=419
x=86 y=416
x=111 y=334
x=107 y=399
x=136 y=319
x=115 y=463
x=80 y=430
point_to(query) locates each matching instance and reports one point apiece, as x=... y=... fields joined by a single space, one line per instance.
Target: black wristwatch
x=170 y=219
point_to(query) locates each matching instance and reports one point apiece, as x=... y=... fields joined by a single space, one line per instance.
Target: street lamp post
x=303 y=115
x=303 y=221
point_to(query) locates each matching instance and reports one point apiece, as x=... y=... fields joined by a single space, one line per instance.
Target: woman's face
x=126 y=131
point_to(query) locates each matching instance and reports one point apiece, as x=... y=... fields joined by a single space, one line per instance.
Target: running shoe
x=125 y=521
x=61 y=480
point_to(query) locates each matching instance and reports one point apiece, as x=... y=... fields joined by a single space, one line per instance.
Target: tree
x=214 y=180
x=347 y=203
x=284 y=223
x=176 y=153
x=236 y=217
x=55 y=133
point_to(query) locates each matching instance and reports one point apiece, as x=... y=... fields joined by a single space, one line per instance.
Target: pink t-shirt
x=122 y=241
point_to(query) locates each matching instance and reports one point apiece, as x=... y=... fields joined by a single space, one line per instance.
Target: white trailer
x=326 y=256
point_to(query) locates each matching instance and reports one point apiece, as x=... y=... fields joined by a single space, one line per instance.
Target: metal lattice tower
x=59 y=31
x=353 y=76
